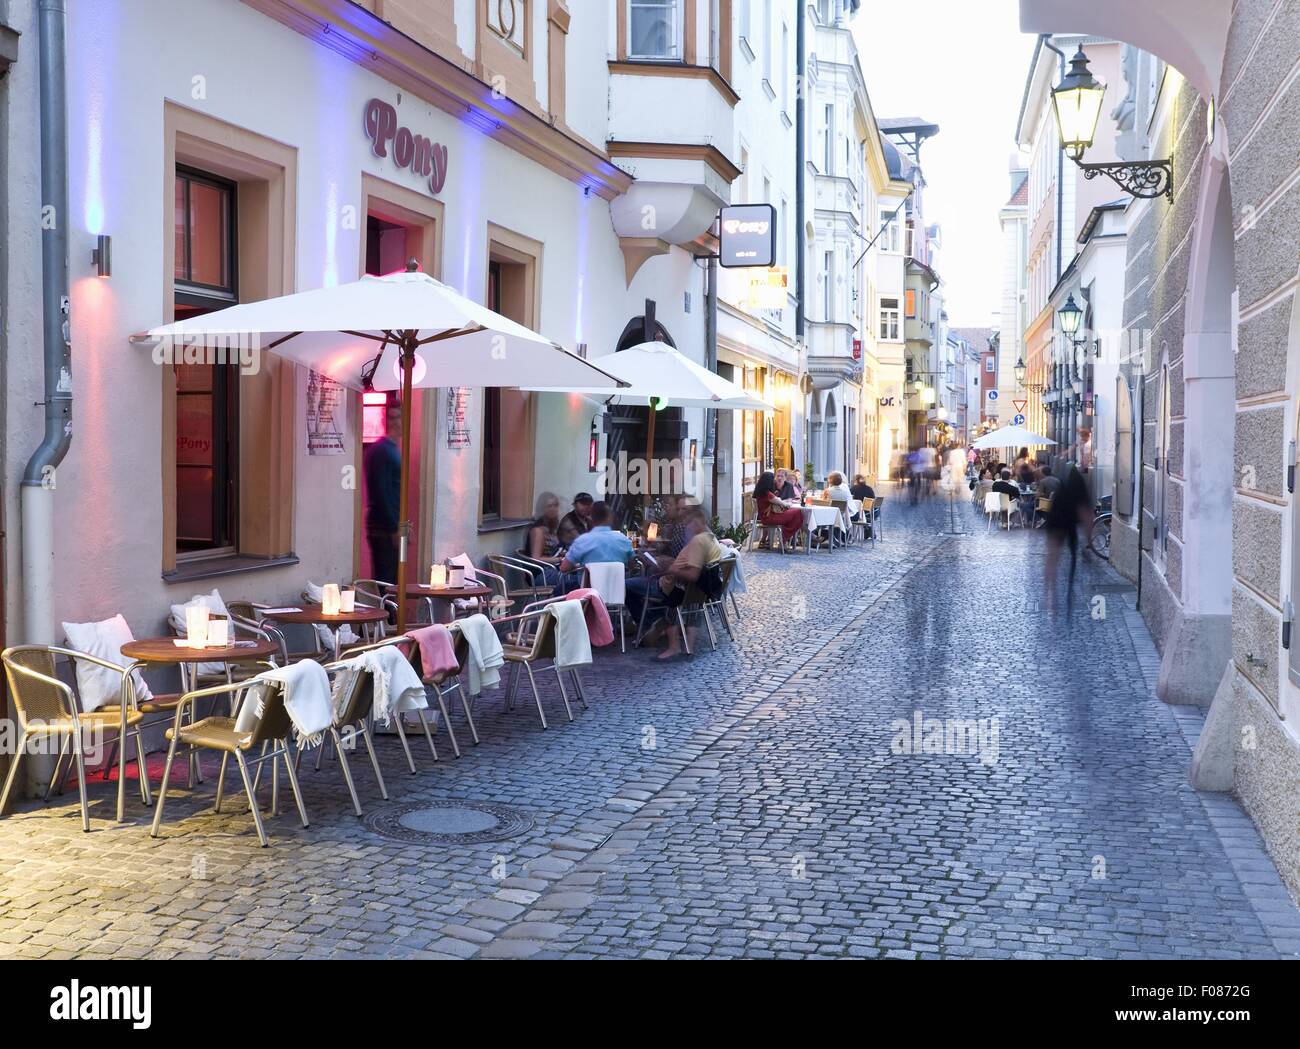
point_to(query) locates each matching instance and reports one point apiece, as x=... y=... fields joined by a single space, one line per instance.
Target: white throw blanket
x=397 y=686
x=486 y=657
x=609 y=580
x=306 y=689
x=572 y=640
x=730 y=553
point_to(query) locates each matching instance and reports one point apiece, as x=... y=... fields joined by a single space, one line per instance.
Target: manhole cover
x=449 y=823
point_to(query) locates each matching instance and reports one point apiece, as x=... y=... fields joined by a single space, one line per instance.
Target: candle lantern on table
x=330 y=599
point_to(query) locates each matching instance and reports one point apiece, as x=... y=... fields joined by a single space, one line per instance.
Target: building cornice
x=678 y=69
x=709 y=154
x=373 y=44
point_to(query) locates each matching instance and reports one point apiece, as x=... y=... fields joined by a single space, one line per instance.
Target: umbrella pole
x=404 y=528
x=650 y=454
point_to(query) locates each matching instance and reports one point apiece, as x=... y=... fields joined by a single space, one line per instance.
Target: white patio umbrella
x=659 y=376
x=398 y=331
x=1010 y=437
x=656 y=370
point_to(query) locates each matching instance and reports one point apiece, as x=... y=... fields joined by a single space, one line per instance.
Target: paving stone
x=773 y=816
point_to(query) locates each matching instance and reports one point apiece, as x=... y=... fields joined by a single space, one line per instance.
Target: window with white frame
x=507 y=19
x=767 y=40
x=889 y=319
x=785 y=67
x=828 y=286
x=828 y=142
x=654 y=30
x=889 y=230
x=989 y=364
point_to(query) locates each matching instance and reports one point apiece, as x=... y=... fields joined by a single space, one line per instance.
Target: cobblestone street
x=748 y=802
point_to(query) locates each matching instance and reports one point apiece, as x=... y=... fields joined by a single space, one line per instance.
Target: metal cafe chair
x=398 y=723
x=531 y=640
x=47 y=707
x=698 y=601
x=352 y=719
x=525 y=579
x=271 y=735
x=772 y=535
x=608 y=579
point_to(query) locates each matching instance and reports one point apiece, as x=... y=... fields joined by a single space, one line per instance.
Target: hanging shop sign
x=422 y=156
x=458 y=417
x=324 y=415
x=747 y=235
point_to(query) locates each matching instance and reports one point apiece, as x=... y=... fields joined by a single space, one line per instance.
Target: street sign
x=1019 y=420
x=993 y=395
x=1019 y=406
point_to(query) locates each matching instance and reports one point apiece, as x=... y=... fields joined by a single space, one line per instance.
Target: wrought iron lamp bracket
x=1147 y=179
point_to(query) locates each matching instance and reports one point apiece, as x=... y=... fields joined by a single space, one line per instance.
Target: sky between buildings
x=960 y=64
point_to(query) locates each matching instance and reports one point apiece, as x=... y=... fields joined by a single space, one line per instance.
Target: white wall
x=126 y=61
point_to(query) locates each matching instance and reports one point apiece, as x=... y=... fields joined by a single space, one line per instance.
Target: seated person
x=651 y=592
x=576 y=521
x=542 y=543
x=773 y=510
x=836 y=492
x=859 y=489
x=1005 y=486
x=601 y=544
x=788 y=486
x=672 y=530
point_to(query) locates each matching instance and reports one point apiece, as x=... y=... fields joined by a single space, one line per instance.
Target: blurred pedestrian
x=1069 y=509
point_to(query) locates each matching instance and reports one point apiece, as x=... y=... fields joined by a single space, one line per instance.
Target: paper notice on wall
x=458 y=417
x=325 y=415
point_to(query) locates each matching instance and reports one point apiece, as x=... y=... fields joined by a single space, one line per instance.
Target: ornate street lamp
x=1076 y=104
x=1020 y=371
x=1071 y=317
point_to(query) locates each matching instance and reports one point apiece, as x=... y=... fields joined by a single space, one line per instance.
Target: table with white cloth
x=822 y=517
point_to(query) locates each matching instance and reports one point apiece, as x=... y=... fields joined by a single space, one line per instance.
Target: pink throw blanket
x=437 y=650
x=598 y=625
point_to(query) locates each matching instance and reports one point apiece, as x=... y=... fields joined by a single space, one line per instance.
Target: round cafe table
x=164 y=651
x=439 y=598
x=309 y=614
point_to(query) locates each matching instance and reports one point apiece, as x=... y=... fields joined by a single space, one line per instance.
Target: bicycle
x=1099 y=532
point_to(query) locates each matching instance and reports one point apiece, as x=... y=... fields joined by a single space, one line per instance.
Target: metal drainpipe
x=38 y=478
x=799 y=165
x=711 y=352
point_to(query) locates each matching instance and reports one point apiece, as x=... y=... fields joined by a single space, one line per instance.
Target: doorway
x=400 y=225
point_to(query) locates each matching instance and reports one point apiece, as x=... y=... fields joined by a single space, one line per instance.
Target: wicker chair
x=531 y=641
x=48 y=707
x=219 y=733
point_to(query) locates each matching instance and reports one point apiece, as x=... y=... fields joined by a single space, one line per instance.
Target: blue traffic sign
x=1019 y=420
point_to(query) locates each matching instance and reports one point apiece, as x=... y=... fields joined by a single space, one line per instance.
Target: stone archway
x=1199 y=643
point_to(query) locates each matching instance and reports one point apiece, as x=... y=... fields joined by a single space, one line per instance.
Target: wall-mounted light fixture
x=593 y=446
x=695 y=447
x=102 y=255
x=1076 y=104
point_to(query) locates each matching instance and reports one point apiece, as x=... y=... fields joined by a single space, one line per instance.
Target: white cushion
x=98 y=685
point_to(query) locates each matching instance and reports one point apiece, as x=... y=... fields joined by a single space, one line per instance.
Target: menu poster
x=458 y=417
x=324 y=415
